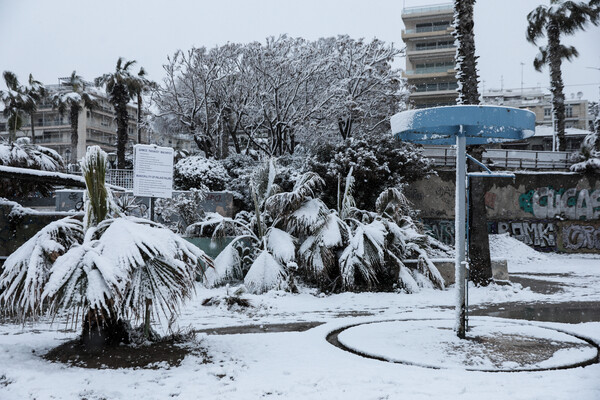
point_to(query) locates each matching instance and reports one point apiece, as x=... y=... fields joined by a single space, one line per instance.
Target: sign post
x=152 y=173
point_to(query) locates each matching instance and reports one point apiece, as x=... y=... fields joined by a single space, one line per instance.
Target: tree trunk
x=556 y=84
x=466 y=64
x=32 y=128
x=120 y=106
x=139 y=117
x=101 y=328
x=74 y=134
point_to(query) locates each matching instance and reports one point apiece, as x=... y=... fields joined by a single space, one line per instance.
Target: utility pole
x=522 y=64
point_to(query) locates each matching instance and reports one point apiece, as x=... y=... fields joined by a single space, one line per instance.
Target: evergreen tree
x=553 y=21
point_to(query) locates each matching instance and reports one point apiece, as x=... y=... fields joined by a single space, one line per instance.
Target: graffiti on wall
x=580 y=237
x=539 y=234
x=442 y=230
x=571 y=203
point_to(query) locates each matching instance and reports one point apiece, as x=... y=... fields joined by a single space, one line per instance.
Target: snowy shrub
x=184 y=206
x=199 y=172
x=240 y=169
x=588 y=158
x=294 y=234
x=106 y=268
x=378 y=163
x=23 y=154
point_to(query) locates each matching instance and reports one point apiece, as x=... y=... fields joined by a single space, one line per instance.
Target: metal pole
x=460 y=219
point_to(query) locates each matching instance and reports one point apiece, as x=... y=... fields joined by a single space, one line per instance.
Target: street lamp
x=112 y=157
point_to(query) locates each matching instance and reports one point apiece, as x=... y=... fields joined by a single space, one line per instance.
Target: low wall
x=219 y=202
x=551 y=211
x=18 y=224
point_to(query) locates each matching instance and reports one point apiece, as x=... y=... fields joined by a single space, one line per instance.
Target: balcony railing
x=431 y=70
x=428 y=29
x=435 y=7
x=503 y=158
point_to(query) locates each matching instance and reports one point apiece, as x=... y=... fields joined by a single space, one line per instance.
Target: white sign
x=152 y=171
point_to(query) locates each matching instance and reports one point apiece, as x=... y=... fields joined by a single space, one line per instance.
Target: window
x=547 y=113
x=569 y=111
x=432 y=26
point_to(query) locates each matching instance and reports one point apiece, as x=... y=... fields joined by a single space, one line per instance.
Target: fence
x=120 y=177
x=502 y=158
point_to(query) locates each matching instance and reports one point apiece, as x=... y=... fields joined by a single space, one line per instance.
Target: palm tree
x=559 y=18
x=73 y=97
x=120 y=87
x=466 y=65
x=16 y=103
x=104 y=268
x=36 y=92
x=140 y=85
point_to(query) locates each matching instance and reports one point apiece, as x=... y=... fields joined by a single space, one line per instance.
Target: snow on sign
x=152 y=171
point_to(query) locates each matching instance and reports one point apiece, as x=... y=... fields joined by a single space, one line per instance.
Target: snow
x=303 y=365
x=543 y=130
x=265 y=274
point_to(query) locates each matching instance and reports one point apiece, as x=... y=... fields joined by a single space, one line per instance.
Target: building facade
x=96 y=126
x=577 y=117
x=430 y=51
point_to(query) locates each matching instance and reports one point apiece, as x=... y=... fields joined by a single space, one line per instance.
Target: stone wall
x=549 y=211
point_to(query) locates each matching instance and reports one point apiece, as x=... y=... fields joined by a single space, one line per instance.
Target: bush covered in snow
x=588 y=158
x=107 y=267
x=199 y=172
x=294 y=235
x=23 y=154
x=378 y=163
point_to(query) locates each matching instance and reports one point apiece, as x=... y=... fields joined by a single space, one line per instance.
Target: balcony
x=433 y=72
x=427 y=32
x=435 y=8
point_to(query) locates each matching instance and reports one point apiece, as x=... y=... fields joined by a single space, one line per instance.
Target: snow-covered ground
x=303 y=365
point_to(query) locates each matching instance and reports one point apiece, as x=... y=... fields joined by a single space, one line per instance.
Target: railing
x=503 y=158
x=120 y=177
x=436 y=7
x=431 y=70
x=423 y=29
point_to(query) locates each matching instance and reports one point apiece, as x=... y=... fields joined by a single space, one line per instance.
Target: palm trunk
x=32 y=128
x=74 y=134
x=122 y=120
x=466 y=65
x=556 y=84
x=139 y=117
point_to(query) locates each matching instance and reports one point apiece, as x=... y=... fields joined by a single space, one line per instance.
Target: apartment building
x=95 y=127
x=430 y=51
x=577 y=117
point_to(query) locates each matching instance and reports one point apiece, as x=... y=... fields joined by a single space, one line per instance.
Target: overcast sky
x=51 y=38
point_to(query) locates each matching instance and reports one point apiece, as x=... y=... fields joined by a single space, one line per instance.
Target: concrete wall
x=20 y=224
x=548 y=211
x=220 y=202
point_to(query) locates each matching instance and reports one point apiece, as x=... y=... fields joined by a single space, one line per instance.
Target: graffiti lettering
x=537 y=234
x=441 y=230
x=549 y=203
x=577 y=237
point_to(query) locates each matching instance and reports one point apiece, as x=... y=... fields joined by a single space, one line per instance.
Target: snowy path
x=302 y=365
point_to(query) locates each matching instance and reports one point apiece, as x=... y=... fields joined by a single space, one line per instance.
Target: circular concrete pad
x=491 y=345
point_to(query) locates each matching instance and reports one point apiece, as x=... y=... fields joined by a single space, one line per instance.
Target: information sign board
x=152 y=171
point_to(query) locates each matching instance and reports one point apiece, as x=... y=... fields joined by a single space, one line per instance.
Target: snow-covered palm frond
x=220 y=227
x=266 y=273
x=229 y=264
x=281 y=245
x=263 y=181
x=26 y=271
x=23 y=154
x=305 y=188
x=392 y=203
x=123 y=263
x=348 y=202
x=364 y=254
x=318 y=250
x=307 y=218
x=426 y=267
